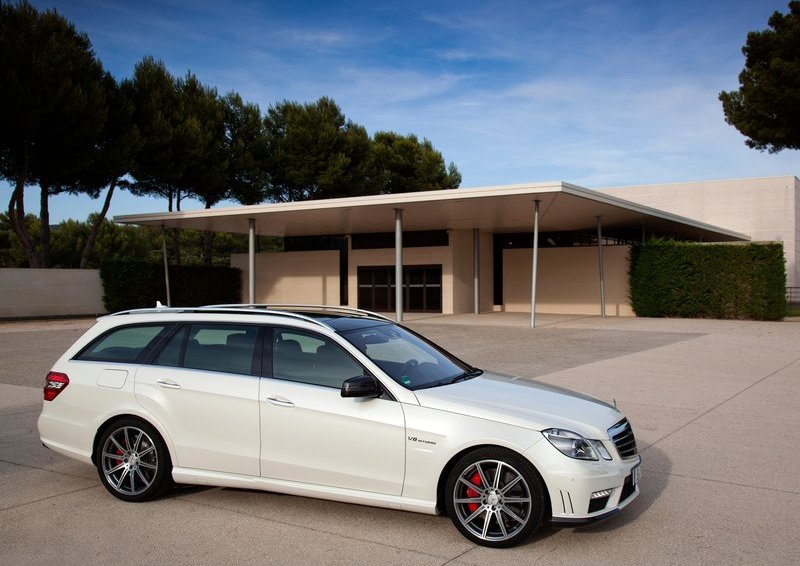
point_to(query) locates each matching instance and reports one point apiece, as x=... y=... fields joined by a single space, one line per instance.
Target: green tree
x=314 y=152
x=54 y=110
x=201 y=131
x=230 y=163
x=246 y=148
x=156 y=113
x=201 y=135
x=766 y=108
x=408 y=165
x=113 y=157
x=12 y=253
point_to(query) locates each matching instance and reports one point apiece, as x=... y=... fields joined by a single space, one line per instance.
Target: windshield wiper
x=469 y=374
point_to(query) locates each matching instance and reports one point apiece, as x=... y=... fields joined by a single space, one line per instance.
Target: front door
x=310 y=434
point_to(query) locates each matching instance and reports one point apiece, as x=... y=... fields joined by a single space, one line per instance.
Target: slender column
x=476 y=270
x=251 y=261
x=602 y=270
x=535 y=269
x=166 y=262
x=398 y=264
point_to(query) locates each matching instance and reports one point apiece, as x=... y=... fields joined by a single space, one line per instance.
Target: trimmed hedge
x=138 y=284
x=691 y=280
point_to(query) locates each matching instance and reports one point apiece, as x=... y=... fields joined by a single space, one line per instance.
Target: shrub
x=137 y=284
x=691 y=280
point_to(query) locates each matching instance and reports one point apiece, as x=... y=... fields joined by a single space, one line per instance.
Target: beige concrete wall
x=568 y=281
x=293 y=277
x=767 y=209
x=439 y=255
x=50 y=292
x=462 y=245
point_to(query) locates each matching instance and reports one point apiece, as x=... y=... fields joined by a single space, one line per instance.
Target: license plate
x=635 y=475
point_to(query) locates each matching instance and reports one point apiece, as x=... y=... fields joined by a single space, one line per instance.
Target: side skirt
x=220 y=479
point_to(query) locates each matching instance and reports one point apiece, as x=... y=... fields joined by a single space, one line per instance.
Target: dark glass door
x=422 y=288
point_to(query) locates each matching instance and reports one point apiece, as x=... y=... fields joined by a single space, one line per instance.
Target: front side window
x=214 y=347
x=123 y=344
x=407 y=358
x=311 y=358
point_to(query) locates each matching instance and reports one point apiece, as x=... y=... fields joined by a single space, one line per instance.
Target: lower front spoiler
x=569 y=522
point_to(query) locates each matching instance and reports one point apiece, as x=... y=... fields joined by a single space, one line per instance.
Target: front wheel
x=133 y=461
x=495 y=497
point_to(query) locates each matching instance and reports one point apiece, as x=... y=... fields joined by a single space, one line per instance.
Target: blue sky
x=593 y=93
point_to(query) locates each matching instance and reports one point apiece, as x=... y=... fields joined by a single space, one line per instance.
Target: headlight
x=573 y=445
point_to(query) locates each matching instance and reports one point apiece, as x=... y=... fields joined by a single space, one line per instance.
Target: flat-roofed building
x=561 y=247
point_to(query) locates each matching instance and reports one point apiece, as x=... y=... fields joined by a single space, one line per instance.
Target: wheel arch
x=109 y=421
x=441 y=506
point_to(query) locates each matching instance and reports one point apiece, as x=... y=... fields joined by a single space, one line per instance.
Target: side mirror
x=361 y=386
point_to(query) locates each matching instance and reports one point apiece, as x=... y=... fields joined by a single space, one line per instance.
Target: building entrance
x=422 y=288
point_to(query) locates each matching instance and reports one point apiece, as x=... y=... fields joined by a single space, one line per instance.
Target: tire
x=491 y=509
x=133 y=461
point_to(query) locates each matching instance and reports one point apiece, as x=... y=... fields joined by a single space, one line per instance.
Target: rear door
x=203 y=387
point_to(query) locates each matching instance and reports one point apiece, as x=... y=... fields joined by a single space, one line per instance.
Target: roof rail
x=232 y=309
x=287 y=310
x=305 y=307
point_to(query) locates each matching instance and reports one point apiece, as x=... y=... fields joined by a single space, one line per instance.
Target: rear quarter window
x=123 y=344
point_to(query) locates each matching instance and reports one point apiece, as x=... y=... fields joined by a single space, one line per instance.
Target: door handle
x=167 y=384
x=279 y=402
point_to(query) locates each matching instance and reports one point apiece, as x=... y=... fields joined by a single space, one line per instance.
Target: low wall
x=30 y=293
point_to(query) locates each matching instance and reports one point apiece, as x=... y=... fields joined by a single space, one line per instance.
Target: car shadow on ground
x=651 y=487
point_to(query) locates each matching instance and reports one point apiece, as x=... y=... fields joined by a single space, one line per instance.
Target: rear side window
x=214 y=347
x=123 y=344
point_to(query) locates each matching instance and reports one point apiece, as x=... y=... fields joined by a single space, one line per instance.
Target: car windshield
x=408 y=358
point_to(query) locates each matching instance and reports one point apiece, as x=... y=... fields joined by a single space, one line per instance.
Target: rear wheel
x=133 y=461
x=495 y=497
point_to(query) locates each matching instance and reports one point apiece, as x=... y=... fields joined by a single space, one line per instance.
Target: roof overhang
x=504 y=209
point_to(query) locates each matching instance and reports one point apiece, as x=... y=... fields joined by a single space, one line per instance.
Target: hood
x=525 y=403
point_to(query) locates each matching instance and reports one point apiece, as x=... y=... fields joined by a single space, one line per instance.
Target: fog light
x=599 y=494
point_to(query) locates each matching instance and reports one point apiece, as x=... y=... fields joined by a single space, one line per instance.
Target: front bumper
x=581 y=501
x=582 y=493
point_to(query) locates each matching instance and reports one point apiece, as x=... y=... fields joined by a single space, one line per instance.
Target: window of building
x=422 y=288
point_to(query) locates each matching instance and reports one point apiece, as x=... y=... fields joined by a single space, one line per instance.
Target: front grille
x=622 y=436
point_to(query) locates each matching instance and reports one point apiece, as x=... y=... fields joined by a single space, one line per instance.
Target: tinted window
x=406 y=357
x=171 y=354
x=122 y=344
x=311 y=358
x=214 y=347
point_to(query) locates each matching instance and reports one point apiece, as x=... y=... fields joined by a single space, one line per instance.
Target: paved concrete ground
x=713 y=403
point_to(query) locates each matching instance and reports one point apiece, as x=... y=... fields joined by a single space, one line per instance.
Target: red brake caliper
x=471 y=493
x=120 y=452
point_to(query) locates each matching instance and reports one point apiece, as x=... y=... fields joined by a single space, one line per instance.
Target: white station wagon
x=332 y=403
